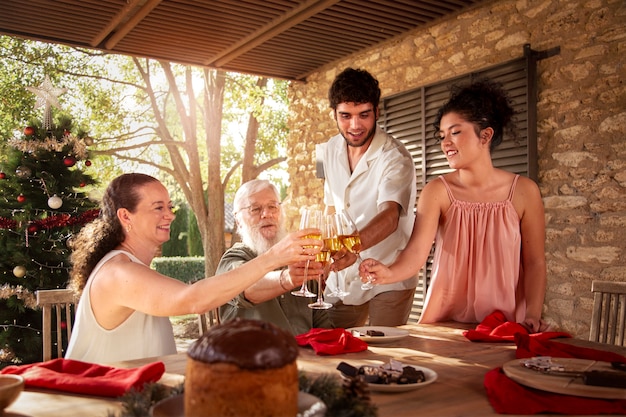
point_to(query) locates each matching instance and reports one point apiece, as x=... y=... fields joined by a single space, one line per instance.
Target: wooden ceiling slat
x=282 y=38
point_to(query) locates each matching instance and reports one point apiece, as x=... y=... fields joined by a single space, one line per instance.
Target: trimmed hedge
x=183 y=268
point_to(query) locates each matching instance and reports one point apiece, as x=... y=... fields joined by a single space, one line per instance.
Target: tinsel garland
x=349 y=398
x=29 y=299
x=79 y=148
x=52 y=222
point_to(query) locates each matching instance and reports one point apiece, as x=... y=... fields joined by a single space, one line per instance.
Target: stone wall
x=581 y=125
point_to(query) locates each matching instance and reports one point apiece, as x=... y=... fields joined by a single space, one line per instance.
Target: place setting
x=392 y=376
x=571 y=376
x=378 y=334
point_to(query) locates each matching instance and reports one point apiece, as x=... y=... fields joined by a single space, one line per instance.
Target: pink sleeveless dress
x=476 y=265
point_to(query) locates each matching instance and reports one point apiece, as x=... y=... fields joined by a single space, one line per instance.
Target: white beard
x=252 y=238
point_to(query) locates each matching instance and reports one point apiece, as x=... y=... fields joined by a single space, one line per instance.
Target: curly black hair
x=354 y=86
x=485 y=103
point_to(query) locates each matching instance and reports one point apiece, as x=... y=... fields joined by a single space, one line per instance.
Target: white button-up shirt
x=384 y=173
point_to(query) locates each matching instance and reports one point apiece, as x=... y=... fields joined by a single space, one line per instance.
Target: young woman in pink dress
x=488 y=224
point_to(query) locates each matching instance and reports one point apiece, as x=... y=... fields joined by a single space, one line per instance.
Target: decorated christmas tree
x=42 y=204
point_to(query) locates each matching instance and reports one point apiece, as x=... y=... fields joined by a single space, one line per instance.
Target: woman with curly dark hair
x=124 y=309
x=488 y=224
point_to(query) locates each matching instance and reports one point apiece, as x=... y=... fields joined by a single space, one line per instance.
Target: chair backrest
x=61 y=301
x=608 y=320
x=208 y=319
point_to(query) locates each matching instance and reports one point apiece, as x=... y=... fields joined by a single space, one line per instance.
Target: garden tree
x=173 y=123
x=200 y=119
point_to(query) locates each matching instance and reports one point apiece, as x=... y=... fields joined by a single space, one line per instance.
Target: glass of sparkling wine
x=309 y=219
x=335 y=245
x=351 y=240
x=328 y=231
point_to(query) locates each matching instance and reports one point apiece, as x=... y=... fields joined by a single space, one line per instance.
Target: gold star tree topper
x=47 y=96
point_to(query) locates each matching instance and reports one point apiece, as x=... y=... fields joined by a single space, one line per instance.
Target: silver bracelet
x=280 y=279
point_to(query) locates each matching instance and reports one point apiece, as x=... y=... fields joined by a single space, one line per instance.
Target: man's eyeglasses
x=257 y=209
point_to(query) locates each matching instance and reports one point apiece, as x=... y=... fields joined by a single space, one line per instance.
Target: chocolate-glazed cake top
x=249 y=344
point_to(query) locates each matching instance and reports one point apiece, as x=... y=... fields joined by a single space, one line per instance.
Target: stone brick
x=562 y=202
x=603 y=254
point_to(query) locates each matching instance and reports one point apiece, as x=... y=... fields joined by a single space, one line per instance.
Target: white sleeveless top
x=139 y=336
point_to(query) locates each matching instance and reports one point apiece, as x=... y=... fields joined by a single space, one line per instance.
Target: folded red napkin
x=508 y=397
x=331 y=341
x=86 y=378
x=496 y=328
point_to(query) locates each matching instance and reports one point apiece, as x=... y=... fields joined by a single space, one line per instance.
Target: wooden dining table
x=460 y=366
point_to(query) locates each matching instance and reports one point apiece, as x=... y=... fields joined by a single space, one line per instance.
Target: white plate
x=429 y=374
x=391 y=334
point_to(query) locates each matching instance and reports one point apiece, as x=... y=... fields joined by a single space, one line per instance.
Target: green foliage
x=194 y=240
x=137 y=403
x=186 y=269
x=177 y=245
x=340 y=399
x=38 y=165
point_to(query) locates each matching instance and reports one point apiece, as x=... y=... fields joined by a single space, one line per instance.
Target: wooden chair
x=208 y=319
x=61 y=301
x=608 y=320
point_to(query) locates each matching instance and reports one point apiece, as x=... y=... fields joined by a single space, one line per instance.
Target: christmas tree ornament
x=55 y=202
x=69 y=161
x=23 y=172
x=32 y=229
x=88 y=163
x=29 y=130
x=21 y=198
x=47 y=96
x=19 y=271
x=2 y=175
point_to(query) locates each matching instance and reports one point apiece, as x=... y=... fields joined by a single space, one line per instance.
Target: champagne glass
x=323 y=256
x=334 y=245
x=309 y=219
x=351 y=240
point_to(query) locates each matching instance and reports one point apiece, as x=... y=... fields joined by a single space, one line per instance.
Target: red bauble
x=33 y=228
x=21 y=198
x=29 y=130
x=69 y=161
x=82 y=184
x=2 y=175
x=88 y=163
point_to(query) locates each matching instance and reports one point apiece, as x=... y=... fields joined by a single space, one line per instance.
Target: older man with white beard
x=259 y=223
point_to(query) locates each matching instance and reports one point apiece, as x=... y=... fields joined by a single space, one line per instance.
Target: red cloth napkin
x=331 y=341
x=86 y=378
x=496 y=328
x=508 y=397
